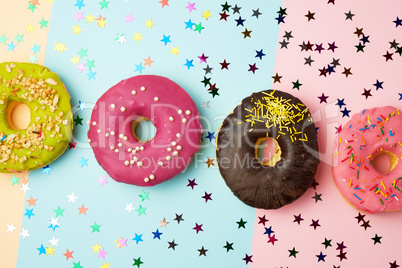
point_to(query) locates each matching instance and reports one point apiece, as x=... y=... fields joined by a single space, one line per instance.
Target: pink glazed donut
x=117 y=112
x=367 y=135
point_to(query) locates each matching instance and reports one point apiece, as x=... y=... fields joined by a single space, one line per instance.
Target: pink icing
x=368 y=134
x=170 y=109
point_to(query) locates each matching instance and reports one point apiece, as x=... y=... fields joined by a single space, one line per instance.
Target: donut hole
x=18 y=115
x=385 y=161
x=143 y=129
x=268 y=151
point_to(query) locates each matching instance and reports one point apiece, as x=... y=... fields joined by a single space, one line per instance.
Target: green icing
x=37 y=150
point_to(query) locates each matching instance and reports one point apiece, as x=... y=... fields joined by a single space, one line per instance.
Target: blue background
x=113 y=62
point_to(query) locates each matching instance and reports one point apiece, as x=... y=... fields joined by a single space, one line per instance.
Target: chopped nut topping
x=51 y=81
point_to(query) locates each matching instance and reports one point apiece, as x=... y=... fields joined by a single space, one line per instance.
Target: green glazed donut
x=50 y=129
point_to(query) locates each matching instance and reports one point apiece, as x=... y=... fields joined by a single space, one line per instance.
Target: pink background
x=336 y=217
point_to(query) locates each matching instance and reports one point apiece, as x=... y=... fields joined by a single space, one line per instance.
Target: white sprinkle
x=188 y=112
x=99 y=131
x=135 y=158
x=156 y=99
x=112 y=148
x=160 y=163
x=142 y=88
x=116 y=150
x=126 y=162
x=175 y=153
x=178 y=135
x=89 y=140
x=133 y=92
x=152 y=176
x=171 y=118
x=129 y=149
x=184 y=120
x=132 y=162
x=146 y=179
x=119 y=144
x=179 y=111
x=125 y=138
x=107 y=134
x=174 y=143
x=168 y=157
x=137 y=148
x=112 y=132
x=121 y=136
x=88 y=122
x=139 y=163
x=122 y=109
x=178 y=147
x=112 y=106
x=169 y=149
x=134 y=151
x=142 y=148
x=94 y=123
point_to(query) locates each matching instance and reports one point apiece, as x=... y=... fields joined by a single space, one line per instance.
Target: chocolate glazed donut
x=287 y=122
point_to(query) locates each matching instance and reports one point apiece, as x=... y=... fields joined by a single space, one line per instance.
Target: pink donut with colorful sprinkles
x=119 y=151
x=369 y=134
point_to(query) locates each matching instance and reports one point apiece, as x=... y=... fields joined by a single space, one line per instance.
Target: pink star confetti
x=191 y=7
x=81 y=67
x=129 y=18
x=79 y=15
x=122 y=242
x=102 y=180
x=102 y=254
x=203 y=58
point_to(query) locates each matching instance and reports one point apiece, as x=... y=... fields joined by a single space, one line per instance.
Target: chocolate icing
x=256 y=184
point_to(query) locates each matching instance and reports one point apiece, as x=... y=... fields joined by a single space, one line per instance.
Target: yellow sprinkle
x=397 y=111
x=277 y=137
x=340 y=141
x=280 y=132
x=350 y=183
x=382 y=183
x=400 y=143
x=338 y=152
x=239 y=123
x=369 y=156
